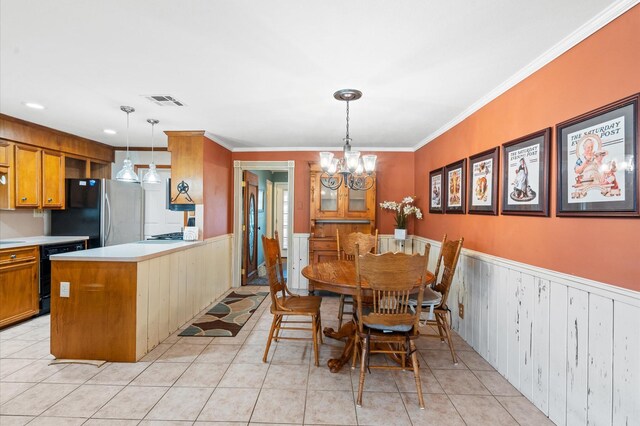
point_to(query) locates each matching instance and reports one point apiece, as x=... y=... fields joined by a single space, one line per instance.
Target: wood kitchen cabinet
x=7 y=198
x=53 y=174
x=6 y=153
x=18 y=284
x=39 y=176
x=28 y=176
x=35 y=160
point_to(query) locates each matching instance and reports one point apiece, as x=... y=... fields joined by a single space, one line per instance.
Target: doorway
x=281 y=215
x=157 y=218
x=273 y=214
x=250 y=227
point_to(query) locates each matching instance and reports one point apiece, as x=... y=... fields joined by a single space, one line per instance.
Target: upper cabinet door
x=342 y=203
x=5 y=153
x=27 y=177
x=53 y=179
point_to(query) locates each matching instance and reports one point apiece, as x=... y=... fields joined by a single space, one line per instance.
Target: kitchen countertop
x=130 y=252
x=10 y=243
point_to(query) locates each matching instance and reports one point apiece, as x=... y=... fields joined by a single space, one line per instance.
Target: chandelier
x=353 y=170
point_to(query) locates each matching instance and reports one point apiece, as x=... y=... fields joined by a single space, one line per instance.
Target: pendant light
x=127 y=174
x=152 y=175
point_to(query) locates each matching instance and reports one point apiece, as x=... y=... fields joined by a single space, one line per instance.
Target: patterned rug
x=226 y=318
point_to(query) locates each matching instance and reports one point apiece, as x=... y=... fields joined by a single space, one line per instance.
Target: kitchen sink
x=158 y=241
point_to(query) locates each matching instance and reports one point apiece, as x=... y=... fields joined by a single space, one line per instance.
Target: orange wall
x=218 y=190
x=395 y=176
x=603 y=68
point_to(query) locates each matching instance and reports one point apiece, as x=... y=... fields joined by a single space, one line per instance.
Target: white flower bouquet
x=402 y=210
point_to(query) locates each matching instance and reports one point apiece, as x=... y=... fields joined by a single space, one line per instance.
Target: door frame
x=238 y=168
x=269 y=208
x=277 y=212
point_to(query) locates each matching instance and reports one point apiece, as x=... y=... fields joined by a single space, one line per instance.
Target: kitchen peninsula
x=118 y=302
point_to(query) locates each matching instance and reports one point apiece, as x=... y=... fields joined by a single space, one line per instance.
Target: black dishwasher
x=45 y=270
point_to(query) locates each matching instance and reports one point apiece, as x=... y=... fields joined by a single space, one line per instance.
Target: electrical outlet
x=461 y=310
x=38 y=213
x=65 y=288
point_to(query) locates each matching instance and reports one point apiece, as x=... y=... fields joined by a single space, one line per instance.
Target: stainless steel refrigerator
x=109 y=212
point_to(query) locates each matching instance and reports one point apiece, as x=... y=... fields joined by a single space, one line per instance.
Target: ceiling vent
x=164 y=100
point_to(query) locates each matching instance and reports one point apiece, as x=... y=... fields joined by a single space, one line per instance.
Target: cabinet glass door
x=328 y=199
x=357 y=201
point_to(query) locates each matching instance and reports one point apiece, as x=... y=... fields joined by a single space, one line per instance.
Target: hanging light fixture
x=353 y=170
x=127 y=174
x=152 y=175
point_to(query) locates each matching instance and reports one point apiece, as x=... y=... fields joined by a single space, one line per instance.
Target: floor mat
x=227 y=317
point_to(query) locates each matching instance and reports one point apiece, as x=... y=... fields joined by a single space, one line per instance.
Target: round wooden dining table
x=339 y=276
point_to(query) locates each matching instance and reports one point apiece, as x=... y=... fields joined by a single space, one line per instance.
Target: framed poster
x=454 y=177
x=598 y=162
x=435 y=191
x=483 y=183
x=525 y=175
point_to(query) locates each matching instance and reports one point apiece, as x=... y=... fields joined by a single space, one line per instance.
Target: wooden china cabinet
x=342 y=209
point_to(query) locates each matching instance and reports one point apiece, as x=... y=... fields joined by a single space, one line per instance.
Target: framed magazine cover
x=598 y=162
x=482 y=191
x=455 y=181
x=435 y=191
x=525 y=175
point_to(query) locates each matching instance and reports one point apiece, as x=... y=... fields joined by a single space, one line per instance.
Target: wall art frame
x=525 y=175
x=597 y=162
x=482 y=190
x=455 y=175
x=436 y=179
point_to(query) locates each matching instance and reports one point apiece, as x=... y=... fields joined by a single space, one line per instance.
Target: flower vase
x=400 y=234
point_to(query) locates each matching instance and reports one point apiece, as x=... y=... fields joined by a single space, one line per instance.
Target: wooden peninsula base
x=124 y=300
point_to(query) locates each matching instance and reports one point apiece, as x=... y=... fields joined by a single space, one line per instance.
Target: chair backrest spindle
x=391 y=278
x=449 y=254
x=347 y=244
x=273 y=263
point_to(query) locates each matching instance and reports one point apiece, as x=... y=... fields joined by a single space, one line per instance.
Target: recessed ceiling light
x=33 y=105
x=110 y=131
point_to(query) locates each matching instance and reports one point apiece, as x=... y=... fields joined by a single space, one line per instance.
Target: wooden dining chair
x=388 y=320
x=347 y=251
x=284 y=303
x=448 y=259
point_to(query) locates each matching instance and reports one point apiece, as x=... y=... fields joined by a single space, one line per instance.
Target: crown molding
x=217 y=139
x=321 y=148
x=590 y=27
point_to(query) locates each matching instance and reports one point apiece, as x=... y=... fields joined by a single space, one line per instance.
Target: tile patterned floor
x=219 y=381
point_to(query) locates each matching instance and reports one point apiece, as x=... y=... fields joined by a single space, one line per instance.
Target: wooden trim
x=184 y=133
x=140 y=148
x=158 y=166
x=21 y=131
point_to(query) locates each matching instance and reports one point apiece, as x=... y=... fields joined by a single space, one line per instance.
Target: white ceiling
x=258 y=74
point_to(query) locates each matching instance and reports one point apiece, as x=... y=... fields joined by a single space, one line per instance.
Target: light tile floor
x=217 y=381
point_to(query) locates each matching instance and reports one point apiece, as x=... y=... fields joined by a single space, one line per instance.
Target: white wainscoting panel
x=299 y=258
x=570 y=345
x=175 y=287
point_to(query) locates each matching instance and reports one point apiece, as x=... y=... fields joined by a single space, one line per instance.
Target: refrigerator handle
x=106 y=238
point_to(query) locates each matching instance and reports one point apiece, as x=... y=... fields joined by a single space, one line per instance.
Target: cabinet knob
x=24 y=198
x=13 y=256
x=49 y=200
